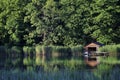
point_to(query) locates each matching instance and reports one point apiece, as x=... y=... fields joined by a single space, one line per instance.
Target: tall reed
x=77 y=50
x=42 y=53
x=114 y=50
x=29 y=51
x=61 y=52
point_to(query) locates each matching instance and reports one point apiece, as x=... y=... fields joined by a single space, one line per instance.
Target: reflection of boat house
x=93 y=46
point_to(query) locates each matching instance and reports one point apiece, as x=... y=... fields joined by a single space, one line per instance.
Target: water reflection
x=92 y=61
x=101 y=72
x=41 y=59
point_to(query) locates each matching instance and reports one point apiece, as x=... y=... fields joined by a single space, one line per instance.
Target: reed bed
x=61 y=52
x=44 y=53
x=29 y=51
x=77 y=50
x=114 y=50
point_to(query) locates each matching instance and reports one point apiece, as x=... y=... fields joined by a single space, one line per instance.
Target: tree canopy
x=59 y=22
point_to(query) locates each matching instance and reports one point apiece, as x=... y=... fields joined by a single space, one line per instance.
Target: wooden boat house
x=91 y=50
x=93 y=47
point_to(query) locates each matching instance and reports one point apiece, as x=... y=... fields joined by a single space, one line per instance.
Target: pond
x=85 y=74
x=58 y=68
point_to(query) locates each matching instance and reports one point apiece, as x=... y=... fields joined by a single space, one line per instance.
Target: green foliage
x=11 y=20
x=60 y=22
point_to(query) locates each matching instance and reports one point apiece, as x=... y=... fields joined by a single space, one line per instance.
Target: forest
x=59 y=22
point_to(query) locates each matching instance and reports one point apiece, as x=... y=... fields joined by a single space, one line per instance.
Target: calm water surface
x=91 y=70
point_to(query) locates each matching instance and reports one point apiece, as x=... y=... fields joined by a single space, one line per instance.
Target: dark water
x=94 y=74
x=44 y=68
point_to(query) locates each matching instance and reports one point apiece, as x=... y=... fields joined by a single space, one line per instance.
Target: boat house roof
x=94 y=44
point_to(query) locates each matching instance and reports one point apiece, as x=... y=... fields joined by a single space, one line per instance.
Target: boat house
x=92 y=54
x=93 y=47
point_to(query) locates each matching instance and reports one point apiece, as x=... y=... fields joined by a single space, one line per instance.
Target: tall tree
x=44 y=17
x=102 y=25
x=11 y=22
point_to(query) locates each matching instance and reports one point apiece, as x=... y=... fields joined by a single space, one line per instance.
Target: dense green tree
x=76 y=16
x=103 y=26
x=11 y=22
x=59 y=22
x=45 y=19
